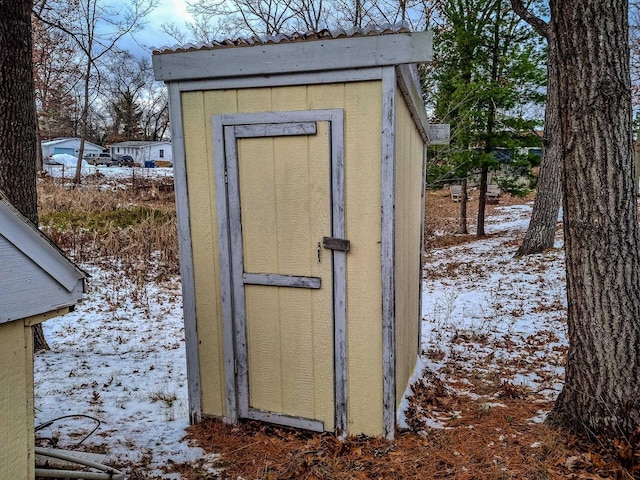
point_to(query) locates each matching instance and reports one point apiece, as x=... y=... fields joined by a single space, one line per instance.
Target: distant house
x=143 y=151
x=70 y=146
x=37 y=283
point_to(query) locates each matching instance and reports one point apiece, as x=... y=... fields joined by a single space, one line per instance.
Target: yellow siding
x=197 y=109
x=409 y=152
x=16 y=402
x=362 y=105
x=363 y=153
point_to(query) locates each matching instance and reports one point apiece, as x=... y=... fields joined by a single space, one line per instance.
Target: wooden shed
x=37 y=282
x=299 y=170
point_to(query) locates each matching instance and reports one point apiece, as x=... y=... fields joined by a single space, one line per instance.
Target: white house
x=143 y=151
x=37 y=283
x=70 y=146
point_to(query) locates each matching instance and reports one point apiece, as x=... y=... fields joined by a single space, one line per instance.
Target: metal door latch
x=340 y=244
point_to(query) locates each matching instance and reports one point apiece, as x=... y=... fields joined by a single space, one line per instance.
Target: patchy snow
x=66 y=160
x=120 y=357
x=486 y=313
x=67 y=170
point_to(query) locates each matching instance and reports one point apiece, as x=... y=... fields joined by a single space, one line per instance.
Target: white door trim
x=226 y=129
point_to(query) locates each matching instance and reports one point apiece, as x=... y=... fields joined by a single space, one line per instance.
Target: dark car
x=123 y=161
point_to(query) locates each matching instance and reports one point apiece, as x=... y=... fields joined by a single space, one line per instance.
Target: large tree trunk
x=542 y=227
x=601 y=389
x=17 y=113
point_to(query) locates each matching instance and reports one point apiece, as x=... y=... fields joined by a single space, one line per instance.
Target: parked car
x=93 y=158
x=123 y=161
x=51 y=161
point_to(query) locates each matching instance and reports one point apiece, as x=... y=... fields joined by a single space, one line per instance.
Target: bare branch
x=537 y=23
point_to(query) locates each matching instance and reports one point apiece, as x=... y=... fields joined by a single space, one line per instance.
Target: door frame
x=227 y=128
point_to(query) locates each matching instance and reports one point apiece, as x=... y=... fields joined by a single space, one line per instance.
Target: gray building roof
x=36 y=277
x=324 y=34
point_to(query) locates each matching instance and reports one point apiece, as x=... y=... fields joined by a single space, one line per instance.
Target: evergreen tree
x=489 y=66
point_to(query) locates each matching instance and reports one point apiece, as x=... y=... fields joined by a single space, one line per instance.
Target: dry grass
x=130 y=226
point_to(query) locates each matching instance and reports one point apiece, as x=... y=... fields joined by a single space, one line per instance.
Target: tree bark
x=491 y=122
x=462 y=219
x=83 y=120
x=482 y=199
x=542 y=226
x=17 y=114
x=601 y=230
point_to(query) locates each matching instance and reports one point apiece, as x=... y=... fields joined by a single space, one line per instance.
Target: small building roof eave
x=295 y=57
x=26 y=237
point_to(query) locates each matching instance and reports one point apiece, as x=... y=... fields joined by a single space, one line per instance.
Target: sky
x=168 y=11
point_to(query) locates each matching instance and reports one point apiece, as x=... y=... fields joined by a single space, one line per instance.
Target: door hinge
x=235 y=366
x=226 y=176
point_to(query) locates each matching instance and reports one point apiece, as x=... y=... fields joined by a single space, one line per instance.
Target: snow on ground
x=66 y=160
x=490 y=316
x=68 y=170
x=120 y=356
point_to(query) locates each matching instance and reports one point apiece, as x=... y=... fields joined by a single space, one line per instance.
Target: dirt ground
x=442 y=213
x=478 y=442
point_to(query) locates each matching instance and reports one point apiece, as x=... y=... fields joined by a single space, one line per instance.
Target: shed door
x=281 y=186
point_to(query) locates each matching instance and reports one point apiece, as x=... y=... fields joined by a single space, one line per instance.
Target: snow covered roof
x=56 y=141
x=36 y=276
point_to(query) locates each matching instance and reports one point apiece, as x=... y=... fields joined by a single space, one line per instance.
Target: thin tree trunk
x=83 y=120
x=542 y=226
x=39 y=160
x=482 y=199
x=491 y=121
x=601 y=231
x=462 y=219
x=17 y=117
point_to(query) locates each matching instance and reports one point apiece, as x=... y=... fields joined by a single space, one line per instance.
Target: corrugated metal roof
x=324 y=34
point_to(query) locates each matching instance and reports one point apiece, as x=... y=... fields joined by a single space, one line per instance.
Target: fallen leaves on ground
x=470 y=416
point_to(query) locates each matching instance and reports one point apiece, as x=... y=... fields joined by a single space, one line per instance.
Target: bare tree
x=137 y=104
x=96 y=28
x=634 y=43
x=236 y=18
x=256 y=17
x=55 y=76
